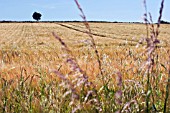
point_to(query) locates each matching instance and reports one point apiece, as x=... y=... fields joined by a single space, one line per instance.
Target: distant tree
x=164 y=22
x=36 y=16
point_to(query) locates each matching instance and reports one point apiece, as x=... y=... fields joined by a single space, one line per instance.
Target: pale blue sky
x=100 y=10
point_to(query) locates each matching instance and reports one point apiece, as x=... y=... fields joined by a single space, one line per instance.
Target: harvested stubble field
x=29 y=54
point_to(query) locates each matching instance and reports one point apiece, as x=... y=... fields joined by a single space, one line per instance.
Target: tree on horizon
x=36 y=16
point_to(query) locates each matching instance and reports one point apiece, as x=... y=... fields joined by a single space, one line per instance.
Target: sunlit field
x=36 y=75
x=32 y=46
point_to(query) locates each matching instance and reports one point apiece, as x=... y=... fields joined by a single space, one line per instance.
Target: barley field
x=32 y=45
x=36 y=74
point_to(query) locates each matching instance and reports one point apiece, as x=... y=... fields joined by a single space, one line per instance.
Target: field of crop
x=32 y=45
x=33 y=62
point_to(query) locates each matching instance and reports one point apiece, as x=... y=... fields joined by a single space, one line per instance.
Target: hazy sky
x=101 y=10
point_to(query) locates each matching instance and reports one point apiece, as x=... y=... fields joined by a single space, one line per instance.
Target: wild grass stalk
x=152 y=44
x=78 y=81
x=93 y=43
x=167 y=90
